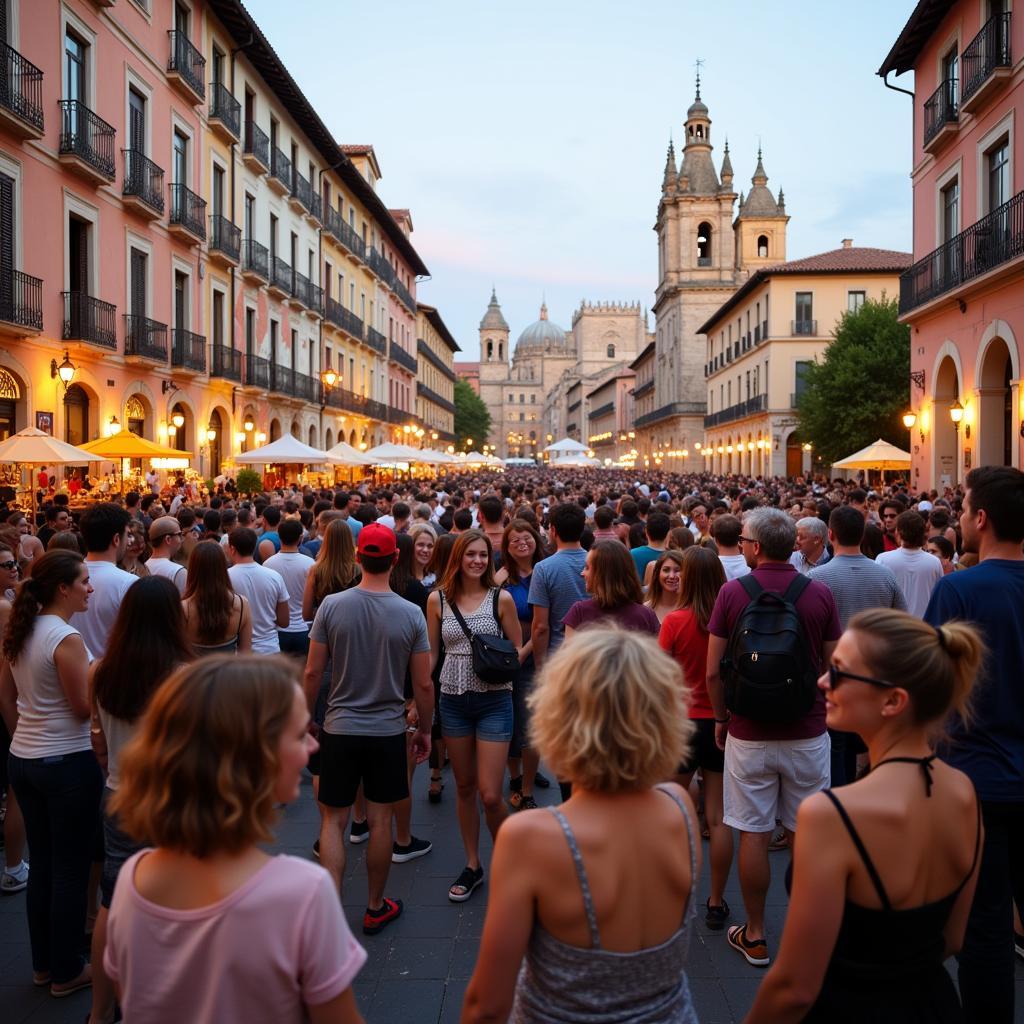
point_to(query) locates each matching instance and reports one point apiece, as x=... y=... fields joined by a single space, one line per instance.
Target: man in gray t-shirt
x=373 y=638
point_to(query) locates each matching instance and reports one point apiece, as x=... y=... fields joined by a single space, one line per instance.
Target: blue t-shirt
x=312 y=547
x=557 y=584
x=991 y=752
x=643 y=556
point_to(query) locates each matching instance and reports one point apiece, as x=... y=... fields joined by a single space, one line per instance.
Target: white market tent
x=390 y=453
x=574 y=461
x=878 y=455
x=31 y=447
x=434 y=458
x=343 y=454
x=287 y=450
x=567 y=445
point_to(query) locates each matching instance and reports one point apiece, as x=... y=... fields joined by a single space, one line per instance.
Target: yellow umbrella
x=879 y=455
x=126 y=445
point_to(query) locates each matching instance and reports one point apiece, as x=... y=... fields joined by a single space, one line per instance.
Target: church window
x=490 y=350
x=511 y=397
x=501 y=350
x=533 y=399
x=522 y=417
x=762 y=245
x=704 y=245
x=522 y=398
x=611 y=351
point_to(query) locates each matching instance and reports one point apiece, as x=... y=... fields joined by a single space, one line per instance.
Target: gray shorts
x=117 y=847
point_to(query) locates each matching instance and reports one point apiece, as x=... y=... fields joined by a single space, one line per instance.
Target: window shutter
x=138 y=283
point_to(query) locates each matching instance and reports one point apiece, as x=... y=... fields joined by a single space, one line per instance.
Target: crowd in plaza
x=709 y=668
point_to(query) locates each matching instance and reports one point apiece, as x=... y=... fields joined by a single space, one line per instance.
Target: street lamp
x=328 y=377
x=956 y=414
x=65 y=371
x=248 y=424
x=909 y=419
x=178 y=420
x=211 y=434
x=113 y=426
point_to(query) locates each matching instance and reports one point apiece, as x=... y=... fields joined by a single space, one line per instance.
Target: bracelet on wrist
x=722 y=721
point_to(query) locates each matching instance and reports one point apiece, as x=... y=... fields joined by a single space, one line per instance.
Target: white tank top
x=46 y=724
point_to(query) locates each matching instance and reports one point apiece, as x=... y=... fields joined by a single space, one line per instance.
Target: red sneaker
x=374 y=922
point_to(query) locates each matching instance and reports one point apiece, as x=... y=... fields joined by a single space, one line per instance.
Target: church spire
x=726 y=172
x=668 y=183
x=760 y=177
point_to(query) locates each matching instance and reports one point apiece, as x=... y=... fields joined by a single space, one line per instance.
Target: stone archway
x=328 y=439
x=996 y=441
x=311 y=437
x=296 y=430
x=215 y=441
x=181 y=417
x=945 y=456
x=13 y=413
x=275 y=429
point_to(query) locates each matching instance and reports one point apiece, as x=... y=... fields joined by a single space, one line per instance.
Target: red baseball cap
x=376 y=540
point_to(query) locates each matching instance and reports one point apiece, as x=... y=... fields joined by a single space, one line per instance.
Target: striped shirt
x=857 y=583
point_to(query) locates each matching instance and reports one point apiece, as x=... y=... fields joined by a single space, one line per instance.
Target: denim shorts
x=488 y=716
x=118 y=848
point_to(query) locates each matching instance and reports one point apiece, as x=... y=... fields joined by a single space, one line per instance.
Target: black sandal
x=467 y=882
x=434 y=794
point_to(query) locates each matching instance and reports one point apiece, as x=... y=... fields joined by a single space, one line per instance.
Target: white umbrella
x=434 y=457
x=567 y=444
x=343 y=454
x=32 y=447
x=394 y=453
x=576 y=461
x=287 y=450
x=878 y=455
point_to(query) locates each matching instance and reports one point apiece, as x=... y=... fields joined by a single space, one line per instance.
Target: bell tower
x=760 y=225
x=494 y=357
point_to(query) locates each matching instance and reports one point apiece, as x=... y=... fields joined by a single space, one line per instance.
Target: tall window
x=136 y=121
x=250 y=331
x=74 y=67
x=704 y=245
x=218 y=191
x=804 y=320
x=997 y=162
x=762 y=246
x=950 y=76
x=800 y=381
x=181 y=320
x=950 y=210
x=854 y=300
x=611 y=352
x=218 y=318
x=137 y=283
x=179 y=162
x=250 y=214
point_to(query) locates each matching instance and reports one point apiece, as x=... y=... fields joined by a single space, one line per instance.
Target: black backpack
x=767 y=669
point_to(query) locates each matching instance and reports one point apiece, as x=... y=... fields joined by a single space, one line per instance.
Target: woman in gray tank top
x=593 y=926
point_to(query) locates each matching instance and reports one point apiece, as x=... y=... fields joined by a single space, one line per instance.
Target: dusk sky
x=529 y=139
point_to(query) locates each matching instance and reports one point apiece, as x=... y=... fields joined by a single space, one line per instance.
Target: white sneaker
x=15 y=879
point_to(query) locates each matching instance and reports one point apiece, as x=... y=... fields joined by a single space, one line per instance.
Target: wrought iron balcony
x=345 y=234
x=225 y=362
x=309 y=294
x=143 y=183
x=432 y=396
x=186 y=65
x=300 y=288
x=256 y=148
x=188 y=350
x=257 y=372
x=188 y=213
x=89 y=319
x=397 y=354
x=434 y=359
x=305 y=387
x=21 y=302
x=225 y=238
x=280 y=171
x=986 y=61
x=316 y=209
x=808 y=327
x=21 y=93
x=940 y=114
x=86 y=141
x=987 y=244
x=736 y=412
x=315 y=303
x=302 y=192
x=280 y=276
x=225 y=110
x=281 y=378
x=342 y=398
x=341 y=317
x=672 y=409
x=376 y=341
x=380 y=266
x=255 y=260
x=145 y=338
x=405 y=296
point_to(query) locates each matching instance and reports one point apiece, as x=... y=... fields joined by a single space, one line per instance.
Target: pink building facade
x=963 y=297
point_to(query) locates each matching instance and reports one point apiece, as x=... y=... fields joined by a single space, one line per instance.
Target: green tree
x=857 y=391
x=248 y=481
x=471 y=416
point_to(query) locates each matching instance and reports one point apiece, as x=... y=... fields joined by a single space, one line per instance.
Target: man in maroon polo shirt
x=770 y=767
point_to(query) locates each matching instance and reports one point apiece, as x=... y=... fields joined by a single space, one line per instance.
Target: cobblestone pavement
x=419 y=966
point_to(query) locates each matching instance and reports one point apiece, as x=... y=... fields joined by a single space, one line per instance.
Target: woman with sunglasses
x=883 y=878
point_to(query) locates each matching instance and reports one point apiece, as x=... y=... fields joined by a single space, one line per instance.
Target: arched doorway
x=184 y=430
x=215 y=440
x=995 y=410
x=275 y=429
x=76 y=415
x=312 y=436
x=944 y=435
x=135 y=415
x=296 y=430
x=12 y=411
x=794 y=455
x=352 y=438
x=329 y=439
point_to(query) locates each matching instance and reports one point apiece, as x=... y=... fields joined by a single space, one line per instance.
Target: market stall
x=124 y=447
x=287 y=451
x=31 y=448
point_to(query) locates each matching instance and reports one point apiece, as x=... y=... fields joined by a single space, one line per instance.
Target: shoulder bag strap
x=461 y=621
x=497 y=618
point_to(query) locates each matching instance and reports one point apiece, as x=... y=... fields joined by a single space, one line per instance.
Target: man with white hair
x=811 y=545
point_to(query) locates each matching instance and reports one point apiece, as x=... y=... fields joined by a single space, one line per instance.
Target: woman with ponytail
x=45 y=700
x=882 y=879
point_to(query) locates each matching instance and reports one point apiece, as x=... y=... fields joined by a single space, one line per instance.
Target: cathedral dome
x=541 y=334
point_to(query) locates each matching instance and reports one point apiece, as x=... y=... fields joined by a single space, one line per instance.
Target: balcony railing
x=89 y=319
x=21 y=300
x=305 y=387
x=376 y=340
x=21 y=87
x=281 y=167
x=346 y=234
x=672 y=409
x=988 y=50
x=256 y=258
x=940 y=109
x=405 y=296
x=309 y=294
x=434 y=359
x=703 y=261
x=736 y=412
x=280 y=274
x=432 y=396
x=281 y=378
x=316 y=207
x=398 y=354
x=86 y=136
x=302 y=190
x=145 y=337
x=604 y=410
x=344 y=318
x=380 y=266
x=257 y=144
x=225 y=362
x=643 y=389
x=188 y=210
x=225 y=237
x=257 y=371
x=808 y=327
x=985 y=245
x=225 y=108
x=143 y=180
x=342 y=398
x=185 y=60
x=188 y=350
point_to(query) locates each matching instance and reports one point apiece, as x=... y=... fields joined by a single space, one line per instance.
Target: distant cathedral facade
x=704 y=254
x=525 y=387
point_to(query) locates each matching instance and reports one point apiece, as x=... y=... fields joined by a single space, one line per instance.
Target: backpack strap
x=751 y=586
x=796 y=588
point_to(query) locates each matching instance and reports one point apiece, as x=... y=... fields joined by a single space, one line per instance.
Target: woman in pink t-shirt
x=205 y=926
x=684 y=635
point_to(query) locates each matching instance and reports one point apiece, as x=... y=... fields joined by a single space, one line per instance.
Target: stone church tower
x=703 y=257
x=494 y=355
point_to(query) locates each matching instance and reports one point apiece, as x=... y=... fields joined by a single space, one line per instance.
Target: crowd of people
x=804 y=665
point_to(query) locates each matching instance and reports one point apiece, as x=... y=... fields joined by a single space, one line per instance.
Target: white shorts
x=769 y=779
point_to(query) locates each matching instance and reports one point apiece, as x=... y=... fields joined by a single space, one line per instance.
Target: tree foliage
x=857 y=392
x=248 y=481
x=471 y=416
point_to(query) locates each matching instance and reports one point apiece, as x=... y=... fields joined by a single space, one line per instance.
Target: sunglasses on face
x=836 y=675
x=9 y=566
